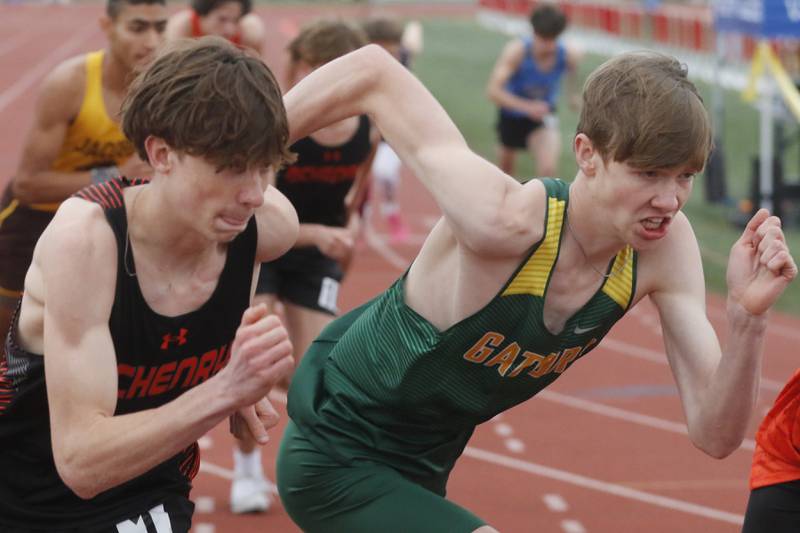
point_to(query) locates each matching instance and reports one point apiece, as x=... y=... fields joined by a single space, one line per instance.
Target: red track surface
x=602 y=450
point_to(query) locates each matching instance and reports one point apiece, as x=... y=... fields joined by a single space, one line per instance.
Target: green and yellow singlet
x=383 y=384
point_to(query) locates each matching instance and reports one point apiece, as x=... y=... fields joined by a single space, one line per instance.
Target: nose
x=152 y=40
x=252 y=192
x=668 y=196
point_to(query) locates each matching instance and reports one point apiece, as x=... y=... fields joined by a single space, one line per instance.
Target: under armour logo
x=179 y=339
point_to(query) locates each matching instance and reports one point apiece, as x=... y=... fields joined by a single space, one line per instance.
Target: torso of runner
x=381 y=377
x=158 y=358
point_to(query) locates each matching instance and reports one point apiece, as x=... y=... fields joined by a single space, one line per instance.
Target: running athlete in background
x=139 y=298
x=774 y=505
x=231 y=19
x=330 y=163
x=404 y=42
x=512 y=286
x=525 y=83
x=75 y=139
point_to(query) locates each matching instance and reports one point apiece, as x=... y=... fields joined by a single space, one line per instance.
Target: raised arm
x=484 y=206
x=93 y=449
x=719 y=387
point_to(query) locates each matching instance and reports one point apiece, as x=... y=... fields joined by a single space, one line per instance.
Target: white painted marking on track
x=44 y=66
x=555 y=503
x=503 y=429
x=205 y=442
x=10 y=44
x=565 y=477
x=216 y=470
x=623 y=414
x=204 y=528
x=572 y=526
x=639 y=352
x=515 y=445
x=603 y=486
x=204 y=504
x=382 y=248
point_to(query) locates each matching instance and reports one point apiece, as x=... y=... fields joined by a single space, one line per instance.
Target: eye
x=649 y=174
x=688 y=176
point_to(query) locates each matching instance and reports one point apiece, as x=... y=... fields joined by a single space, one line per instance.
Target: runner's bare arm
x=253 y=32
x=718 y=388
x=93 y=449
x=489 y=211
x=277 y=225
x=58 y=104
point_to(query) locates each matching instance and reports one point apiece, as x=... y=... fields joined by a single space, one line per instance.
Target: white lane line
x=382 y=248
x=565 y=477
x=572 y=526
x=216 y=470
x=10 y=44
x=555 y=503
x=204 y=504
x=205 y=442
x=203 y=528
x=603 y=486
x=514 y=445
x=33 y=74
x=639 y=352
x=503 y=429
x=623 y=414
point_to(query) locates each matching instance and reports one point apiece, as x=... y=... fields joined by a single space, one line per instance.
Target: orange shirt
x=777 y=455
x=197 y=31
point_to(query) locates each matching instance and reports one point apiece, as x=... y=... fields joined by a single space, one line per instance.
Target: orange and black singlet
x=158 y=358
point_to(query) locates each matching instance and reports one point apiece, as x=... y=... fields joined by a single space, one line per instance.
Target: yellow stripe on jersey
x=619 y=286
x=10 y=208
x=532 y=278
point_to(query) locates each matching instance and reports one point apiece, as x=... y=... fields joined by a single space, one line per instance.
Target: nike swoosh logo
x=579 y=330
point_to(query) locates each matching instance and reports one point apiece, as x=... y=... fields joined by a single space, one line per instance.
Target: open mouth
x=655 y=227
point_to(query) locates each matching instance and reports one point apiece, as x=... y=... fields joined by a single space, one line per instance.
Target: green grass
x=455 y=66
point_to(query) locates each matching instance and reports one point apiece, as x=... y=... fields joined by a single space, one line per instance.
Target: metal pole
x=767 y=143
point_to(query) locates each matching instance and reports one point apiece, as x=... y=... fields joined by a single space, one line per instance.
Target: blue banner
x=759 y=18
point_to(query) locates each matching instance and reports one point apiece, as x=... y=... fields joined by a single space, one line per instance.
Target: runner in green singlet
x=514 y=284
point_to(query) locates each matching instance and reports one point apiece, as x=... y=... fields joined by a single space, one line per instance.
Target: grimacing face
x=135 y=34
x=646 y=201
x=218 y=203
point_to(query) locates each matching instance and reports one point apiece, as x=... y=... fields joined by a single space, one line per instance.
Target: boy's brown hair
x=641 y=109
x=548 y=21
x=324 y=40
x=384 y=29
x=204 y=7
x=207 y=98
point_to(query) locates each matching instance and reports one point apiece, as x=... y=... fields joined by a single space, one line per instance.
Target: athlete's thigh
x=544 y=144
x=774 y=509
x=324 y=496
x=304 y=326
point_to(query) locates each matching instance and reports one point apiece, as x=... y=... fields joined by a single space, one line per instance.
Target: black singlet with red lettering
x=158 y=358
x=319 y=180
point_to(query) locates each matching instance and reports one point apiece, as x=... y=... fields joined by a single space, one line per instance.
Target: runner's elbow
x=718 y=446
x=80 y=480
